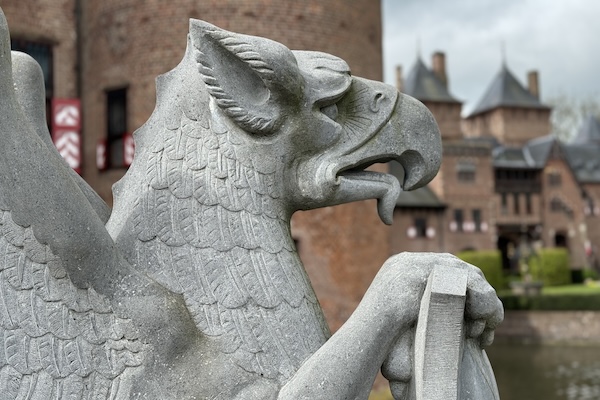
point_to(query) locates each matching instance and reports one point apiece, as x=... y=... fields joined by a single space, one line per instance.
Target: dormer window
x=554 y=178
x=465 y=170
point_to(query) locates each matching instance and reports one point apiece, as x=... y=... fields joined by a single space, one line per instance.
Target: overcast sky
x=559 y=38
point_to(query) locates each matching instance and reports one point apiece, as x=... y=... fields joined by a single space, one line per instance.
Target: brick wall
x=447 y=116
x=551 y=326
x=558 y=221
x=404 y=222
x=511 y=126
x=468 y=195
x=592 y=218
x=49 y=22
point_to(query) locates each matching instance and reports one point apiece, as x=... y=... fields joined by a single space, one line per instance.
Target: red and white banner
x=69 y=146
x=66 y=114
x=101 y=156
x=66 y=130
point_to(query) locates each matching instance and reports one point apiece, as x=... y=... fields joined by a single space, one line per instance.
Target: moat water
x=534 y=372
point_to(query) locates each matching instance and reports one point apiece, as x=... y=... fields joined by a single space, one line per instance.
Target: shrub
x=551 y=266
x=565 y=302
x=490 y=262
x=589 y=273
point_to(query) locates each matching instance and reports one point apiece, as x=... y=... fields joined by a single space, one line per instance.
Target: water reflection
x=531 y=372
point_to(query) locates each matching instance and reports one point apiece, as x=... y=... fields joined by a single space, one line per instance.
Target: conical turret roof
x=506 y=91
x=424 y=85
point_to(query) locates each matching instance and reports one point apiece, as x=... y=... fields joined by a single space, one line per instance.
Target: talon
x=398 y=389
x=487 y=338
x=476 y=328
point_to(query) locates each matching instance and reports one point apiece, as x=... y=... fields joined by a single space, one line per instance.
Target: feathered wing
x=58 y=340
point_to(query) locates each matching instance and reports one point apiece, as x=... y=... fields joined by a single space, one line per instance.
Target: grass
x=592 y=288
x=579 y=289
x=383 y=394
x=559 y=298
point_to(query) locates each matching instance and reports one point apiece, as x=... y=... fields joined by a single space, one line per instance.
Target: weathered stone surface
x=193 y=288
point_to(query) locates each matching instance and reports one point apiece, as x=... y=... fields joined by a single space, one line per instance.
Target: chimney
x=399 y=79
x=438 y=64
x=533 y=84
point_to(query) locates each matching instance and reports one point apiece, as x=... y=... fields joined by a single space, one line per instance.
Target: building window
x=459 y=219
x=477 y=220
x=116 y=123
x=560 y=239
x=516 y=205
x=590 y=208
x=465 y=171
x=557 y=205
x=42 y=53
x=528 y=207
x=554 y=178
x=421 y=227
x=504 y=203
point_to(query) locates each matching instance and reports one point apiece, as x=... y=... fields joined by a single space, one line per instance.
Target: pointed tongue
x=364 y=185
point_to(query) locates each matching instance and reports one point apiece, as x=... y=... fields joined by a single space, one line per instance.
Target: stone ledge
x=551 y=326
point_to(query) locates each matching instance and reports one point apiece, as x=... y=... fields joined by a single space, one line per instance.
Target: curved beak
x=411 y=137
x=379 y=125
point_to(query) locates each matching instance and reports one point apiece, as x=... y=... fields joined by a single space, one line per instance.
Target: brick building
x=504 y=180
x=108 y=53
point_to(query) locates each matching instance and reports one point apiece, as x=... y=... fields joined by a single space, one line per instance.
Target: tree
x=568 y=114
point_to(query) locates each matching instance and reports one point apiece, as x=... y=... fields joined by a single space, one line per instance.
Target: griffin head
x=307 y=116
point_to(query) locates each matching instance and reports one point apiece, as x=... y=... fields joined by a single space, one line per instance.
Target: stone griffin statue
x=192 y=287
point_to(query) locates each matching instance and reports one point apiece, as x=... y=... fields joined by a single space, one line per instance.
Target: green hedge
x=551 y=266
x=565 y=302
x=490 y=262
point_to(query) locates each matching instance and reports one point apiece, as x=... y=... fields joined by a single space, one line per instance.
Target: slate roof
x=533 y=155
x=506 y=91
x=584 y=161
x=539 y=149
x=512 y=157
x=419 y=198
x=422 y=84
x=589 y=132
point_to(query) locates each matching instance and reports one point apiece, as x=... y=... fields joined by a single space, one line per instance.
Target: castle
x=505 y=180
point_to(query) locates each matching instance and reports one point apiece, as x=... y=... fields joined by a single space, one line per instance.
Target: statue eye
x=331 y=111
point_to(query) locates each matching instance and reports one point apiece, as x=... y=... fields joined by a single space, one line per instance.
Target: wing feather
x=157 y=171
x=227 y=248
x=8 y=304
x=56 y=338
x=281 y=281
x=10 y=380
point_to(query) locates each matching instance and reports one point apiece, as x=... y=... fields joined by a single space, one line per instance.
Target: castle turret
x=509 y=112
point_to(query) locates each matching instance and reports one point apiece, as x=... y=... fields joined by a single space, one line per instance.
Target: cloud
x=560 y=39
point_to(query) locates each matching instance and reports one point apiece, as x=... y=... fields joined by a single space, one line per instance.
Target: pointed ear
x=238 y=75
